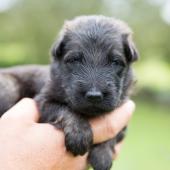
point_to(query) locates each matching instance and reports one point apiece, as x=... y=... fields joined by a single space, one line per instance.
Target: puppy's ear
x=130 y=50
x=57 y=50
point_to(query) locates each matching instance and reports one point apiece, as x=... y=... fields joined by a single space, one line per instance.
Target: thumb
x=109 y=125
x=26 y=109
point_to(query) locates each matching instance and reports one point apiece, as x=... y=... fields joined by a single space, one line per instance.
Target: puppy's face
x=93 y=58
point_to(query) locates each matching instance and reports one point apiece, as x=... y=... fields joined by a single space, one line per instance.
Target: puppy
x=90 y=76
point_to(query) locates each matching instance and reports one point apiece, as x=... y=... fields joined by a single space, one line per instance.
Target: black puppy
x=90 y=76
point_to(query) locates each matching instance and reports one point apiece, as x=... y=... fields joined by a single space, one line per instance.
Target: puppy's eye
x=73 y=59
x=116 y=60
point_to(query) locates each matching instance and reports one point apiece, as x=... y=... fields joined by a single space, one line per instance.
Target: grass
x=147 y=145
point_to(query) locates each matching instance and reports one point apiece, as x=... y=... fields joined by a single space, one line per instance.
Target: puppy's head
x=92 y=61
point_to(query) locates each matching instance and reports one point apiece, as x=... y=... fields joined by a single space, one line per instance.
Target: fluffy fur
x=90 y=75
x=21 y=81
x=92 y=57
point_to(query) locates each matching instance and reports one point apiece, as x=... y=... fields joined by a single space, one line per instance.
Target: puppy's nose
x=94 y=96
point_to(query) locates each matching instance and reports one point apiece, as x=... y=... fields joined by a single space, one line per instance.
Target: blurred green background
x=29 y=27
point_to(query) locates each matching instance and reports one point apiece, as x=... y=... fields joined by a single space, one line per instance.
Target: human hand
x=26 y=144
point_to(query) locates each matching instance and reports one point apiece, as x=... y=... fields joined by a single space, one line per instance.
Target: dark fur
x=19 y=82
x=93 y=54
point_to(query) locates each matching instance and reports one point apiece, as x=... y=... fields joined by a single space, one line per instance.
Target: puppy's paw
x=100 y=160
x=78 y=140
x=102 y=165
x=121 y=135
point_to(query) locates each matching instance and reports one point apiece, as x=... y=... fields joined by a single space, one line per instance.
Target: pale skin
x=29 y=145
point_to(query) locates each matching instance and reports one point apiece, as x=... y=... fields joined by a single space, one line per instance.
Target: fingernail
x=130 y=105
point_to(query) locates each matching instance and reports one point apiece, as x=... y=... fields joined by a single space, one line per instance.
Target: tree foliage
x=29 y=28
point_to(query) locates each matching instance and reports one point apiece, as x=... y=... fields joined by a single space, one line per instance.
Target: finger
x=109 y=125
x=25 y=110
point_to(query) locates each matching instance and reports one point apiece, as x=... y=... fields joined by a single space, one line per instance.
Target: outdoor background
x=29 y=27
